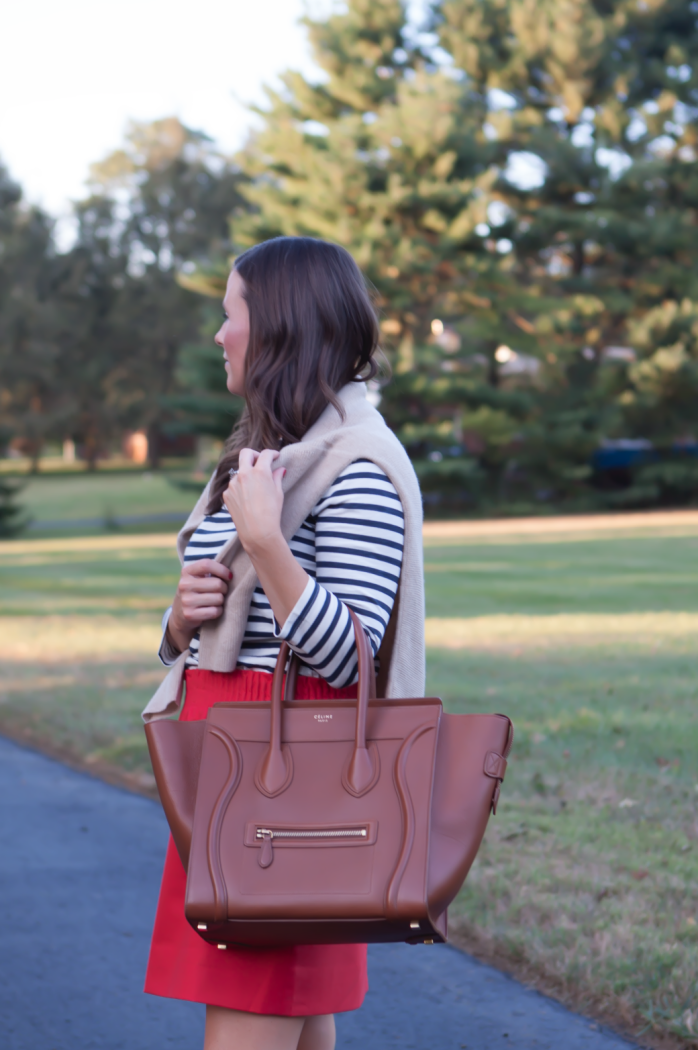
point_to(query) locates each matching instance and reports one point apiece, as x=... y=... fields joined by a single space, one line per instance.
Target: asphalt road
x=80 y=865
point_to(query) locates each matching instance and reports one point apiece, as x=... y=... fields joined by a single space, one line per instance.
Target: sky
x=73 y=72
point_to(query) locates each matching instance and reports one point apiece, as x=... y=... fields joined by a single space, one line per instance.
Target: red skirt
x=292 y=982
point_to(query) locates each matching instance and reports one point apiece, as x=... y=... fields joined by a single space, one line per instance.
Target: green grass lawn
x=588 y=876
x=102 y=495
x=587 y=882
x=80 y=630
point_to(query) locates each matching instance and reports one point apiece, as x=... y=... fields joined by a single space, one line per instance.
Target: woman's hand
x=201 y=592
x=254 y=499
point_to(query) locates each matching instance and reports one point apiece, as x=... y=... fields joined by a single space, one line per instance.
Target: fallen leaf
x=639 y=875
x=627 y=803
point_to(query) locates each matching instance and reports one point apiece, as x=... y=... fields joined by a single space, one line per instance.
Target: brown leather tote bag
x=326 y=821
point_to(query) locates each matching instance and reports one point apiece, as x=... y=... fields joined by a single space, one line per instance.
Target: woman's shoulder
x=360 y=481
x=363 y=472
x=370 y=439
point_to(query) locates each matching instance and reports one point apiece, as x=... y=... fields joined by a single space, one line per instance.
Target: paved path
x=80 y=863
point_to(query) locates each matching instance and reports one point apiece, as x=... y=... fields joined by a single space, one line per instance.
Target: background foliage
x=91 y=339
x=517 y=180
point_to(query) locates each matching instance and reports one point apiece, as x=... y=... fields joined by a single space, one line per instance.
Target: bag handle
x=276 y=771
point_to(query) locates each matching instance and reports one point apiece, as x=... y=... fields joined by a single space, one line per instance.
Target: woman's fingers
x=203 y=584
x=265 y=459
x=255 y=499
x=201 y=593
x=207 y=613
x=247 y=459
x=278 y=476
x=194 y=607
x=190 y=619
x=207 y=567
x=251 y=460
x=193 y=599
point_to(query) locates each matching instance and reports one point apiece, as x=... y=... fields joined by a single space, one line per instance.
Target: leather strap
x=495 y=765
x=275 y=771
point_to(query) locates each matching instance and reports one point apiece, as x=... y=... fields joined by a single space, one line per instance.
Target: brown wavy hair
x=313 y=329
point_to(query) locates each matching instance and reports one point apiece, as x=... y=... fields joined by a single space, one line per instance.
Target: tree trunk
x=154 y=446
x=492 y=370
x=578 y=258
x=91 y=449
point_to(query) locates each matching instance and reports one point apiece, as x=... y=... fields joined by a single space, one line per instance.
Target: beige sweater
x=312 y=464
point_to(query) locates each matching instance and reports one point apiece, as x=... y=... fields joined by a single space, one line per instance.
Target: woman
x=313 y=508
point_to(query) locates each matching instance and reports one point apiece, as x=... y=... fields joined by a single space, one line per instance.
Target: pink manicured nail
x=284 y=473
x=230 y=575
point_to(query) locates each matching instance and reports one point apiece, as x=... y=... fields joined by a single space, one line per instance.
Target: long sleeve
x=359 y=537
x=167 y=654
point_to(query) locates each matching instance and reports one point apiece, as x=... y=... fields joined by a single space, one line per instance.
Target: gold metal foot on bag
x=201 y=926
x=414 y=925
x=223 y=947
x=428 y=940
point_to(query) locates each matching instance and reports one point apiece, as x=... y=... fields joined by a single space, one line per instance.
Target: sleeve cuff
x=297 y=613
x=167 y=653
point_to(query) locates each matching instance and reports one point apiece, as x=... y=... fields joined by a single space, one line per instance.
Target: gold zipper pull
x=266 y=853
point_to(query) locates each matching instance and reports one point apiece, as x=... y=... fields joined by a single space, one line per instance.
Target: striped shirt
x=351 y=547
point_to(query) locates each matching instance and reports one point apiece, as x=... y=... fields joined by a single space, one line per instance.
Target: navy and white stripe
x=351 y=547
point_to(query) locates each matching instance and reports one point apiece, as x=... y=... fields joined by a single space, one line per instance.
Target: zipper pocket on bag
x=267 y=837
x=335 y=833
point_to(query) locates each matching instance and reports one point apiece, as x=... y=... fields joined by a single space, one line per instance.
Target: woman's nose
x=218 y=337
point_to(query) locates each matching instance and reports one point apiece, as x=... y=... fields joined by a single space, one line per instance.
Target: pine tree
x=204 y=406
x=387 y=157
x=603 y=94
x=520 y=212
x=661 y=404
x=29 y=373
x=13 y=520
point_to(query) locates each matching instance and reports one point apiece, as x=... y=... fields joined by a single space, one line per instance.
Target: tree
x=503 y=194
x=158 y=206
x=601 y=98
x=179 y=192
x=28 y=354
x=388 y=158
x=13 y=520
x=661 y=403
x=90 y=339
x=204 y=406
